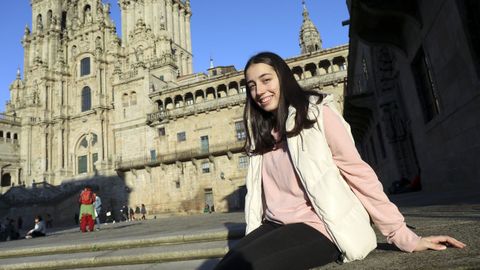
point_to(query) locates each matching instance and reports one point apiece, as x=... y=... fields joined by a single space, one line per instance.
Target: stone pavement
x=198 y=241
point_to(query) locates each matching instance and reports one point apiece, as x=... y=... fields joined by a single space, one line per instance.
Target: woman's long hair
x=260 y=123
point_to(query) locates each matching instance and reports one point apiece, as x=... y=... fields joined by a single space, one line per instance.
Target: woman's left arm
x=366 y=186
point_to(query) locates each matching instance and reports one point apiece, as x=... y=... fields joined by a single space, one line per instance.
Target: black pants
x=273 y=246
x=37 y=234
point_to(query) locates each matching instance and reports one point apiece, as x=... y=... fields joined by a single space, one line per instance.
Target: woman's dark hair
x=38 y=217
x=259 y=137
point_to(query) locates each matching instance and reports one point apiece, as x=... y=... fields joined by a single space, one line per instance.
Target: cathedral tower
x=168 y=22
x=310 y=40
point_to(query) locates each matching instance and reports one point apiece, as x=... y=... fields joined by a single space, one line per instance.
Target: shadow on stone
x=208 y=264
x=387 y=247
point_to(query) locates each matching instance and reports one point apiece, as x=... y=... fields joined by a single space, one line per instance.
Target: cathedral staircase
x=197 y=243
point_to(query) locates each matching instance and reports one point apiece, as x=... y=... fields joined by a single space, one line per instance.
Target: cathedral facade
x=91 y=105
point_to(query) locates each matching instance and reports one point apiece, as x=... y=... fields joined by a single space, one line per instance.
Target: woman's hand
x=439 y=242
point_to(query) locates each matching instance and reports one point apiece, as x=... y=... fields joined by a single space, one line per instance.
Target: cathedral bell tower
x=159 y=29
x=310 y=40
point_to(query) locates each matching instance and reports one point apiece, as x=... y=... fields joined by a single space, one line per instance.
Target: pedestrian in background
x=39 y=230
x=87 y=211
x=124 y=211
x=98 y=210
x=310 y=196
x=143 y=211
x=132 y=214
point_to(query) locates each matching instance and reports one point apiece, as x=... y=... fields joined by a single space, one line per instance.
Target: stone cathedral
x=128 y=114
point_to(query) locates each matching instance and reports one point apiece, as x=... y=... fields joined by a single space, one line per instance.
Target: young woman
x=39 y=229
x=310 y=196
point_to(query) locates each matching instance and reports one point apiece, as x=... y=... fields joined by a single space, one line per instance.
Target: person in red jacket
x=87 y=210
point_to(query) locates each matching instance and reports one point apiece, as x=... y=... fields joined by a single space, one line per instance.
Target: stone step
x=180 y=242
x=124 y=244
x=70 y=249
x=203 y=264
x=125 y=255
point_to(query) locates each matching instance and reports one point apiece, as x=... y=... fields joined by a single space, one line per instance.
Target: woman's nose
x=260 y=89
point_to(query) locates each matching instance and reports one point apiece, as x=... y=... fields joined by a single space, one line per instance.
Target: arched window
x=86 y=99
x=339 y=63
x=6 y=180
x=199 y=96
x=85 y=66
x=298 y=73
x=87 y=153
x=49 y=18
x=133 y=98
x=168 y=103
x=243 y=86
x=210 y=93
x=178 y=101
x=310 y=70
x=1 y=133
x=221 y=91
x=125 y=100
x=189 y=99
x=63 y=23
x=39 y=22
x=160 y=106
x=324 y=66
x=232 y=88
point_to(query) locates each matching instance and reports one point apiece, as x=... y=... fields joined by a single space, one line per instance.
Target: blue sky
x=228 y=31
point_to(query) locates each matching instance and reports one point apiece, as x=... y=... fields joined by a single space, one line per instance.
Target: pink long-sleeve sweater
x=287 y=202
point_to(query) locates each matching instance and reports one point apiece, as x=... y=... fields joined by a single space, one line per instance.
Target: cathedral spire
x=305 y=11
x=310 y=40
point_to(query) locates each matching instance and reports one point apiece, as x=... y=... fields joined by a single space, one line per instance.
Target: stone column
x=156 y=13
x=168 y=10
x=176 y=31
x=59 y=144
x=124 y=19
x=182 y=38
x=148 y=11
x=44 y=44
x=99 y=68
x=131 y=19
x=183 y=59
x=189 y=65
x=51 y=51
x=188 y=33
x=27 y=55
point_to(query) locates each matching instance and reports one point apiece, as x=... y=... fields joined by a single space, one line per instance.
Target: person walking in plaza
x=310 y=195
x=132 y=214
x=143 y=211
x=39 y=230
x=98 y=209
x=87 y=210
x=124 y=211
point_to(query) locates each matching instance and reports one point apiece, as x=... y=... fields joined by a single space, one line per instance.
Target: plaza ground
x=198 y=241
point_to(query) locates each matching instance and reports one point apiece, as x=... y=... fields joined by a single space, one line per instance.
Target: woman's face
x=264 y=86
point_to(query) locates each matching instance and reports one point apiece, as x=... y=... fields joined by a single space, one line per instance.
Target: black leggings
x=273 y=246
